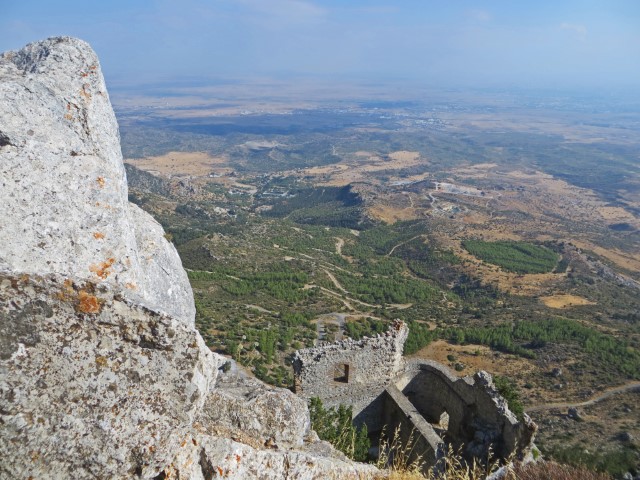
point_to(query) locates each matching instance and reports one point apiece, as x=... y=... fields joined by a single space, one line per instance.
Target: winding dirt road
x=627 y=387
x=402 y=243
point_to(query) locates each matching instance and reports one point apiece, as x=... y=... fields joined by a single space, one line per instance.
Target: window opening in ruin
x=341 y=373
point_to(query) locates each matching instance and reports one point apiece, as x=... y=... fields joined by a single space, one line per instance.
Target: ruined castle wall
x=430 y=387
x=479 y=417
x=352 y=372
x=384 y=390
x=413 y=430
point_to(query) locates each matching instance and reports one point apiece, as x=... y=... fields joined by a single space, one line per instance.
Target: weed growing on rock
x=336 y=427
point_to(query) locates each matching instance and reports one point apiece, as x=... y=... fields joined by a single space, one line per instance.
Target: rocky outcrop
x=93 y=384
x=64 y=185
x=146 y=183
x=101 y=369
x=249 y=430
x=102 y=372
x=254 y=413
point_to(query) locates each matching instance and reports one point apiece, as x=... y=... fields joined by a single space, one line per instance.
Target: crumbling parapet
x=351 y=372
x=479 y=418
x=423 y=396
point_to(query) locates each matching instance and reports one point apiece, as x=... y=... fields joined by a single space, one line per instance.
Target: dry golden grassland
x=175 y=164
x=564 y=301
x=359 y=166
x=474 y=358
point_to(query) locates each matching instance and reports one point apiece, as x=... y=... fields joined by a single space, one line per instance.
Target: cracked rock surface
x=103 y=394
x=102 y=372
x=63 y=181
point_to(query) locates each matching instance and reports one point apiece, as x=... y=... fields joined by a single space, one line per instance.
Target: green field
x=518 y=257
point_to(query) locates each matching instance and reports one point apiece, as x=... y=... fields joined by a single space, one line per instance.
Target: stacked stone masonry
x=421 y=397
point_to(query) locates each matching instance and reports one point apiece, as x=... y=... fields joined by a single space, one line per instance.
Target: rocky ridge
x=102 y=372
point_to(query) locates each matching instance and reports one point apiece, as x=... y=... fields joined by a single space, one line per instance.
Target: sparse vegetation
x=553 y=471
x=510 y=392
x=335 y=426
x=260 y=273
x=524 y=337
x=615 y=462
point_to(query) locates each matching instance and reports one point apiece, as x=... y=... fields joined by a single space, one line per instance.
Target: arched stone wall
x=385 y=391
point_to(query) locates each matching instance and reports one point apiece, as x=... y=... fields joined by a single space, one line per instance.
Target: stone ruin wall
x=371 y=364
x=478 y=418
x=401 y=415
x=386 y=391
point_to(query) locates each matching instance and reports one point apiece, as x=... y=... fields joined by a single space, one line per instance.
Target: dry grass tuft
x=399 y=455
x=553 y=471
x=400 y=461
x=400 y=458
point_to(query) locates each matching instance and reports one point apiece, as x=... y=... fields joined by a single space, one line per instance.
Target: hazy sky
x=550 y=43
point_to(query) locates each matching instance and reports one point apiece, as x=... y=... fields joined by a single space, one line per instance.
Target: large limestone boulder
x=63 y=181
x=249 y=430
x=247 y=410
x=221 y=457
x=101 y=369
x=91 y=384
x=102 y=372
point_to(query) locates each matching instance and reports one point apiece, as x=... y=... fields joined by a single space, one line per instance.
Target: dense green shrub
x=419 y=337
x=519 y=257
x=365 y=327
x=336 y=427
x=510 y=392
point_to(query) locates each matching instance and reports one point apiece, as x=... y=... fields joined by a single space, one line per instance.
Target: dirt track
x=627 y=387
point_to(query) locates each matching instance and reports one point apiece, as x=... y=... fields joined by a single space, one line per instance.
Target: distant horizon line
x=199 y=84
x=190 y=81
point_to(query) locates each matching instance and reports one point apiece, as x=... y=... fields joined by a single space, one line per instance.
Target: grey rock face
x=216 y=457
x=92 y=384
x=244 y=408
x=63 y=181
x=102 y=372
x=248 y=430
x=575 y=414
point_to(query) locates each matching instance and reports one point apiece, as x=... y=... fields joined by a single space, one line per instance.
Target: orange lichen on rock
x=85 y=91
x=68 y=115
x=98 y=235
x=131 y=286
x=87 y=303
x=101 y=361
x=103 y=269
x=100 y=181
x=67 y=292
